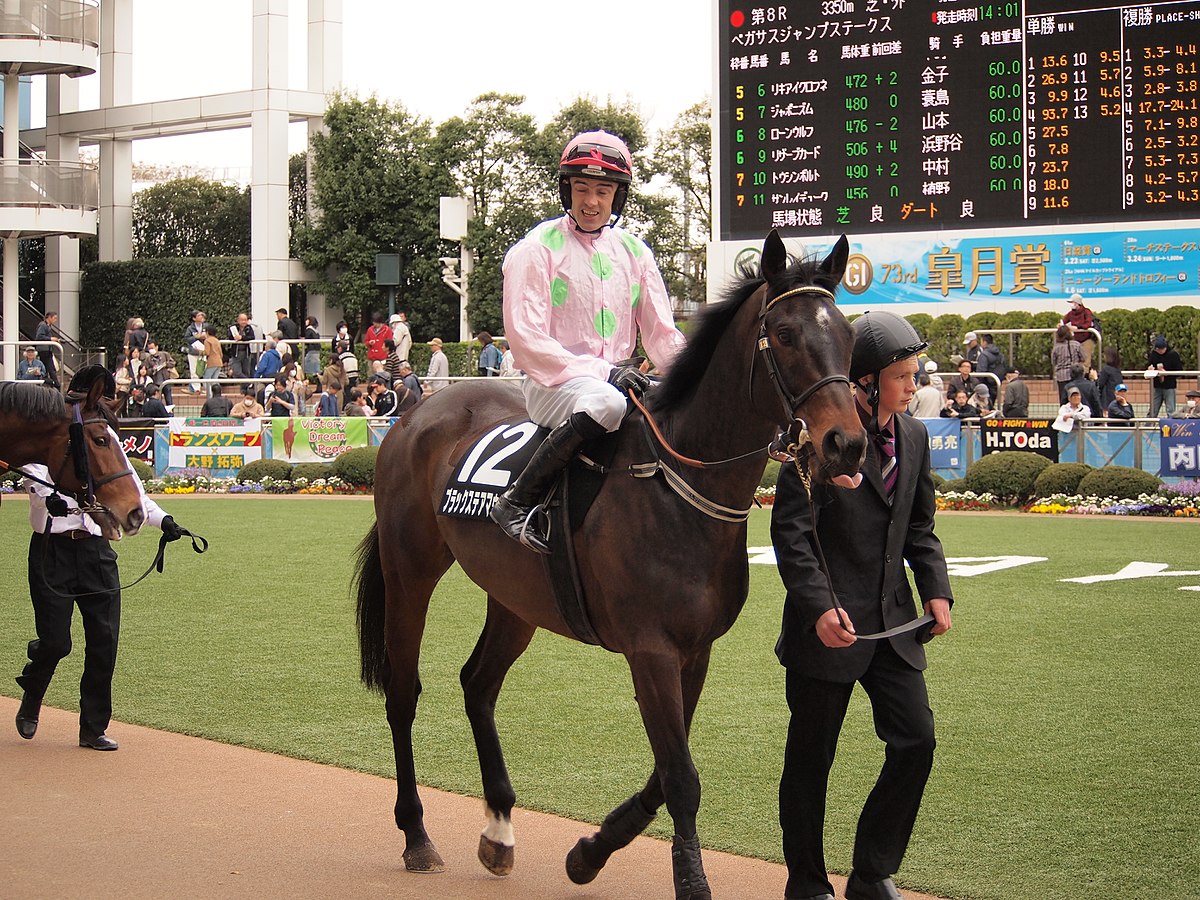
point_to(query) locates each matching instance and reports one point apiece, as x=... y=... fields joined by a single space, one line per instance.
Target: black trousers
x=63 y=573
x=903 y=721
x=48 y=363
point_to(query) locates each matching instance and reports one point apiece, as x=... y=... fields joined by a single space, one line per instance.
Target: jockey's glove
x=628 y=379
x=170 y=530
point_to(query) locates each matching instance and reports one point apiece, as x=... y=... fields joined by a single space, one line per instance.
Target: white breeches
x=551 y=406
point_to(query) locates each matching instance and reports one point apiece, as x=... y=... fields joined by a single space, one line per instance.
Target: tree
x=376 y=184
x=191 y=217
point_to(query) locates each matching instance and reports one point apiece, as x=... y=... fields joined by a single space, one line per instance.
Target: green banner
x=300 y=439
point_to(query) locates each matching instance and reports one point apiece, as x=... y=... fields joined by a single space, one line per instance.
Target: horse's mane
x=35 y=402
x=708 y=327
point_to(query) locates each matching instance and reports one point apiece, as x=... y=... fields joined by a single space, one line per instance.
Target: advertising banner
x=945 y=438
x=1179 y=448
x=1034 y=435
x=222 y=446
x=137 y=439
x=303 y=439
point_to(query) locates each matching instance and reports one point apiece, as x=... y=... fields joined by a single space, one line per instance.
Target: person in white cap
x=971 y=342
x=439 y=367
x=401 y=334
x=1079 y=319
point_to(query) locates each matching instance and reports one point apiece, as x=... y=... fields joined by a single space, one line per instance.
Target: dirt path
x=173 y=815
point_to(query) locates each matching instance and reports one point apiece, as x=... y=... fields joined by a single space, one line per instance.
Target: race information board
x=900 y=115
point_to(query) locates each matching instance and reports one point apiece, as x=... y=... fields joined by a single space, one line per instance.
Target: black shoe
x=523 y=524
x=858 y=888
x=99 y=742
x=27 y=717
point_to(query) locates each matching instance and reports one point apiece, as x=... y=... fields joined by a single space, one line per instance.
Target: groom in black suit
x=867 y=531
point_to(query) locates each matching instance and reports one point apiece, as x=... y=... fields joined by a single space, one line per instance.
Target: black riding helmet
x=880 y=339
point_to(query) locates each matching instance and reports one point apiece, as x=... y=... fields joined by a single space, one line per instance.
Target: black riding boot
x=515 y=509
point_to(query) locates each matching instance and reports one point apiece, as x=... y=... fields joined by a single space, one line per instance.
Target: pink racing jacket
x=574 y=302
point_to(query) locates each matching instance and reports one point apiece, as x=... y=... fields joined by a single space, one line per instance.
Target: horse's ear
x=774 y=257
x=95 y=394
x=834 y=265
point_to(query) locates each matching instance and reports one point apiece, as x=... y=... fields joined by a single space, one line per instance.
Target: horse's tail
x=368 y=580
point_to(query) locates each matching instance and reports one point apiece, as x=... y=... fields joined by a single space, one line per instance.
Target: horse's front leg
x=666 y=714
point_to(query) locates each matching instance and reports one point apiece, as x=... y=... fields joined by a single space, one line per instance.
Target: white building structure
x=56 y=195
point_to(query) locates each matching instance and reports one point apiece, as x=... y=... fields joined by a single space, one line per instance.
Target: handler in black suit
x=866 y=535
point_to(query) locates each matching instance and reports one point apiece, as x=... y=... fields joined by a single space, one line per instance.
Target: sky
x=434 y=58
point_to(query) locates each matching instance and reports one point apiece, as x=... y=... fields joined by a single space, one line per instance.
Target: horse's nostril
x=136 y=518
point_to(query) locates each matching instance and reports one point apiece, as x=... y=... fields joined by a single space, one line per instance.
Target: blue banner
x=945 y=438
x=1179 y=448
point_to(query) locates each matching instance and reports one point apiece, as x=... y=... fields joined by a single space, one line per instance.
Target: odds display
x=899 y=115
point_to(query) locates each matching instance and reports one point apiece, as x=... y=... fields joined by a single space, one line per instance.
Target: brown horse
x=71 y=437
x=663 y=580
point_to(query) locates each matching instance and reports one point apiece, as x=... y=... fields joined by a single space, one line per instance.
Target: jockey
x=577 y=291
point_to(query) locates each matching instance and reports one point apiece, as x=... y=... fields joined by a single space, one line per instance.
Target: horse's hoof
x=423 y=859
x=578 y=870
x=496 y=857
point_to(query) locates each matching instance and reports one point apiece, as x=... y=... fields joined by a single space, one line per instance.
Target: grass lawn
x=1067 y=763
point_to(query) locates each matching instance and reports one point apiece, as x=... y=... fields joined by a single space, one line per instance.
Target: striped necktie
x=885 y=443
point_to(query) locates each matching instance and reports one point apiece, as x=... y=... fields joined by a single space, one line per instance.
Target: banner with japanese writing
x=945 y=438
x=303 y=439
x=1179 y=448
x=1033 y=435
x=137 y=439
x=221 y=446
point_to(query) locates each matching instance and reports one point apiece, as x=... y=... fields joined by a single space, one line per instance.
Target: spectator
x=241 y=355
x=329 y=407
x=982 y=401
x=489 y=356
x=332 y=372
x=411 y=381
x=286 y=326
x=439 y=368
x=357 y=404
x=136 y=336
x=214 y=359
x=153 y=407
x=407 y=388
x=960 y=407
x=270 y=362
x=1162 y=358
x=295 y=383
x=963 y=381
x=990 y=360
x=508 y=367
x=122 y=377
x=1079 y=319
x=1109 y=377
x=400 y=334
x=376 y=334
x=247 y=407
x=1072 y=411
x=1192 y=409
x=193 y=347
x=282 y=402
x=1120 y=411
x=1016 y=395
x=312 y=352
x=342 y=342
x=161 y=366
x=1064 y=354
x=928 y=401
x=971 y=341
x=138 y=373
x=1087 y=388
x=383 y=398
x=47 y=330
x=134 y=405
x=217 y=406
x=931 y=369
x=349 y=361
x=30 y=368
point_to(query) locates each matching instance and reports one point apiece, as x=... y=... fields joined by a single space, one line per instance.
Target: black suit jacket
x=866 y=541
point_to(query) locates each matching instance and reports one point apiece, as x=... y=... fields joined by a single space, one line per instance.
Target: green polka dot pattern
x=605 y=323
x=632 y=244
x=602 y=266
x=558 y=292
x=553 y=238
x=635 y=294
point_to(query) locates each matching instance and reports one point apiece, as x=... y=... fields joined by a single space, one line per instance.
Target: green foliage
x=945 y=336
x=357 y=466
x=939 y=481
x=311 y=471
x=951 y=484
x=191 y=217
x=770 y=474
x=1060 y=478
x=377 y=180
x=163 y=292
x=458 y=356
x=278 y=469
x=11 y=477
x=1009 y=475
x=142 y=469
x=1119 y=482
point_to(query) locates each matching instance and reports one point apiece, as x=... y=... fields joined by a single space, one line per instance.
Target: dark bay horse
x=663 y=580
x=70 y=436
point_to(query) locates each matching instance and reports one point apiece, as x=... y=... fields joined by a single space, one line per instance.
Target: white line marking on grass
x=1136 y=570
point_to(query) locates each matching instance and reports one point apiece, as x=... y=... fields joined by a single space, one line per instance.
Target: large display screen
x=909 y=115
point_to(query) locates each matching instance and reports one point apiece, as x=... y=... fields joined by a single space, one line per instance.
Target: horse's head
x=807 y=344
x=98 y=465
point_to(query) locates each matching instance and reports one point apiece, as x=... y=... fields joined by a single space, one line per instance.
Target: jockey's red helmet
x=599 y=155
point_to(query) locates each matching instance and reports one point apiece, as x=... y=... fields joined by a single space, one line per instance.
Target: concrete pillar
x=324 y=76
x=11 y=151
x=269 y=165
x=62 y=252
x=116 y=157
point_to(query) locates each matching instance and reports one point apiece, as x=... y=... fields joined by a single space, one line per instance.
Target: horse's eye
x=785 y=337
x=101 y=442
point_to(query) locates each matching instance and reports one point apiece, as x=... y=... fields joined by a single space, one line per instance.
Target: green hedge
x=163 y=292
x=1060 y=478
x=357 y=466
x=142 y=469
x=1009 y=475
x=311 y=471
x=1118 y=482
x=278 y=469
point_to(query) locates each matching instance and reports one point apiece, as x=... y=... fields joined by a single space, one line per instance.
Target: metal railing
x=54 y=346
x=1012 y=331
x=58 y=183
x=73 y=21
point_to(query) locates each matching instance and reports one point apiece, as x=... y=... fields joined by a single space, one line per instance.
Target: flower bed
x=202 y=484
x=1172 y=505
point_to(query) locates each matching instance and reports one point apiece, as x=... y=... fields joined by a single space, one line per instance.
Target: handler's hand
x=940 y=607
x=831 y=632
